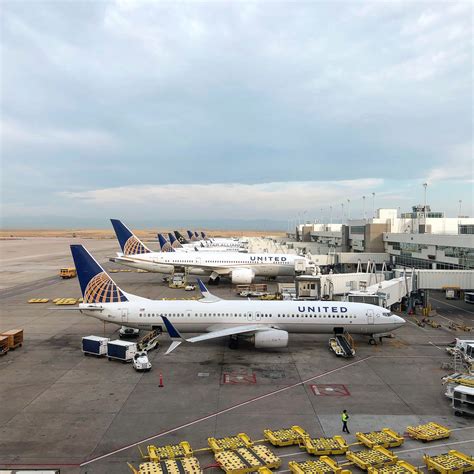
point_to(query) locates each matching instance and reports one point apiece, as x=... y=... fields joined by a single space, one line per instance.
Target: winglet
x=176 y=337
x=208 y=296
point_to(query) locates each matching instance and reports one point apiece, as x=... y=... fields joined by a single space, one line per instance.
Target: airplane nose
x=398 y=320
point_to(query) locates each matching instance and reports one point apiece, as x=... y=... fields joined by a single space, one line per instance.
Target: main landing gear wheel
x=233 y=342
x=372 y=341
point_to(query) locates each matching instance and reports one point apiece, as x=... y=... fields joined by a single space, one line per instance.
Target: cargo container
x=15 y=338
x=121 y=350
x=3 y=345
x=95 y=345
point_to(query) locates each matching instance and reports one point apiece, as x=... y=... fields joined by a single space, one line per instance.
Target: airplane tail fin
x=174 y=241
x=207 y=295
x=191 y=235
x=164 y=244
x=180 y=238
x=130 y=244
x=96 y=284
x=203 y=235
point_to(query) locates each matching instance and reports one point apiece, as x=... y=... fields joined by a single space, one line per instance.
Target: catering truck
x=121 y=350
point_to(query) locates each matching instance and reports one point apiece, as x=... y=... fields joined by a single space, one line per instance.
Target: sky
x=232 y=114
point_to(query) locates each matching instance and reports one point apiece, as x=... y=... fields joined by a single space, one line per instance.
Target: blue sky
x=162 y=112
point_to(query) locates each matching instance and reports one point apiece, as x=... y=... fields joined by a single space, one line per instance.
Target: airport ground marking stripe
x=426 y=447
x=452 y=306
x=220 y=412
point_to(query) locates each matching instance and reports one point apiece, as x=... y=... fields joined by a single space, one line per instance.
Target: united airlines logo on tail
x=166 y=247
x=133 y=246
x=101 y=289
x=176 y=244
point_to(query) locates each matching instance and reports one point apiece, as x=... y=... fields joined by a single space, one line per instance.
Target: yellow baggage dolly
x=169 y=466
x=158 y=453
x=452 y=462
x=241 y=440
x=401 y=467
x=428 y=432
x=284 y=436
x=246 y=460
x=324 y=446
x=386 y=438
x=376 y=457
x=323 y=465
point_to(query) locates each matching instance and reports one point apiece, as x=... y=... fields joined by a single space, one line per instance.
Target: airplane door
x=249 y=316
x=124 y=314
x=370 y=316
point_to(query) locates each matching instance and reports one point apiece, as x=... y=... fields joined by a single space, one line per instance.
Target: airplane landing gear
x=372 y=341
x=233 y=342
x=214 y=281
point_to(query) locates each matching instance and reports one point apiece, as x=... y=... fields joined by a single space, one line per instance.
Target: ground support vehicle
x=95 y=345
x=452 y=462
x=15 y=338
x=241 y=440
x=376 y=457
x=428 y=432
x=67 y=272
x=386 y=438
x=400 y=467
x=121 y=350
x=323 y=465
x=284 y=436
x=158 y=453
x=246 y=460
x=140 y=362
x=169 y=466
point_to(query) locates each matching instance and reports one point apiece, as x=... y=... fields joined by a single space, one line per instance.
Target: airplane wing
x=178 y=338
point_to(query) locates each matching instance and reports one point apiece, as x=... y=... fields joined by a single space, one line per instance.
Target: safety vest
x=345 y=417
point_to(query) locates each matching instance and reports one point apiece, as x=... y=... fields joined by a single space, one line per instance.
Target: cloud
x=239 y=200
x=458 y=165
x=17 y=134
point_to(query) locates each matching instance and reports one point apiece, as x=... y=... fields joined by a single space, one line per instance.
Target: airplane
x=241 y=268
x=266 y=323
x=215 y=242
x=198 y=246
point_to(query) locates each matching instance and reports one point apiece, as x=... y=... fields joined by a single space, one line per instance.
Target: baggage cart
x=246 y=460
x=121 y=350
x=321 y=466
x=400 y=467
x=452 y=462
x=3 y=345
x=15 y=338
x=428 y=432
x=95 y=345
x=324 y=446
x=230 y=442
x=284 y=436
x=159 y=453
x=376 y=457
x=169 y=466
x=386 y=438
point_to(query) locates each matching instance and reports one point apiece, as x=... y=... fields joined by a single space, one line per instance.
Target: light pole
x=330 y=214
x=373 y=205
x=342 y=213
x=365 y=215
x=348 y=210
x=460 y=204
x=425 y=185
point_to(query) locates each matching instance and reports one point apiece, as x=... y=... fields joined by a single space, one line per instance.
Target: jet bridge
x=385 y=293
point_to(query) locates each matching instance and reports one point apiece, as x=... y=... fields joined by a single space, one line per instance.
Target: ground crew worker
x=344 y=418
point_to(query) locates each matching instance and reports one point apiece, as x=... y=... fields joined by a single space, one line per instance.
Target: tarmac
x=62 y=410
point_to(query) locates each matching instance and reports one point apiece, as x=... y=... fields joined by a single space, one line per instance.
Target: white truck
x=141 y=362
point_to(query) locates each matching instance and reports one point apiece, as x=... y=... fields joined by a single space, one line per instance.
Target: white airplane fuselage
x=219 y=263
x=312 y=317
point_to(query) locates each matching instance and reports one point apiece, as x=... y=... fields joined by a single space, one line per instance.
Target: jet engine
x=242 y=276
x=270 y=339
